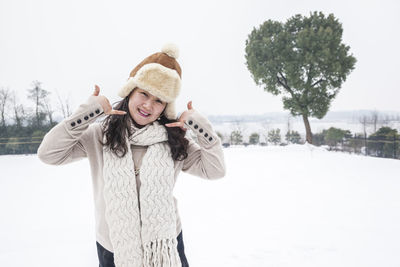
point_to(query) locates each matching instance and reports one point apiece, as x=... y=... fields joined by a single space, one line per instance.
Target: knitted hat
x=160 y=75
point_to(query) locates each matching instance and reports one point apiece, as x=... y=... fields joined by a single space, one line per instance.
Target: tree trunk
x=308 y=129
x=37 y=107
x=3 y=120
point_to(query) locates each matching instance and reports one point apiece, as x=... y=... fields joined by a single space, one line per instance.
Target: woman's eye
x=159 y=101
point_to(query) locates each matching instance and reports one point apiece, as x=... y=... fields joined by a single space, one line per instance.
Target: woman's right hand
x=103 y=101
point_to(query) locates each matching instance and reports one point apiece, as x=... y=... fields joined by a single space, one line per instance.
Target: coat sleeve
x=205 y=157
x=64 y=143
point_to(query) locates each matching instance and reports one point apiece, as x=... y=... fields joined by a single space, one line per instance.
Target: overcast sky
x=71 y=45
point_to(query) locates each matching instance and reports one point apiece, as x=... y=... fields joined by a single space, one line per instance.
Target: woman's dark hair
x=116 y=126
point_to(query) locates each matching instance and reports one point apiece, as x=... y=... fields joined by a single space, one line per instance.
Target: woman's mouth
x=142 y=113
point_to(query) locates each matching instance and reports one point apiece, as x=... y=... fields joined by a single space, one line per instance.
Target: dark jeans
x=106 y=258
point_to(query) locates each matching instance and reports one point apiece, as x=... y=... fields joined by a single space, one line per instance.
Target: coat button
x=73 y=124
x=86 y=117
x=97 y=111
x=190 y=122
x=196 y=126
x=206 y=134
x=200 y=130
x=79 y=121
x=91 y=114
x=210 y=139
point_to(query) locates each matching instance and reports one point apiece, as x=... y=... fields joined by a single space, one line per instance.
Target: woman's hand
x=103 y=101
x=181 y=121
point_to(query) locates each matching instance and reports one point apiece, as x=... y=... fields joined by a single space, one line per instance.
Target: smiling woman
x=145 y=107
x=135 y=156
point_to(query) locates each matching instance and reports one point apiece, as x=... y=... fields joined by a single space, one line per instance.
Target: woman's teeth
x=144 y=114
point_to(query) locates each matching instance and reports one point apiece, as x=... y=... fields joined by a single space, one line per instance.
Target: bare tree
x=64 y=105
x=374 y=119
x=364 y=122
x=4 y=97
x=386 y=120
x=288 y=123
x=266 y=126
x=18 y=110
x=49 y=111
x=38 y=95
x=48 y=108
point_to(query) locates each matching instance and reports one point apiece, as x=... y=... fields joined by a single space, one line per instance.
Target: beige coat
x=79 y=136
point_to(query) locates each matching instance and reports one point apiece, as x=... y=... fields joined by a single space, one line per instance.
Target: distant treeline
x=29 y=125
x=385 y=142
x=22 y=127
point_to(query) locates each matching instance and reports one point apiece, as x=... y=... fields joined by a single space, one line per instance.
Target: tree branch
x=309 y=75
x=317 y=82
x=284 y=78
x=288 y=88
x=284 y=85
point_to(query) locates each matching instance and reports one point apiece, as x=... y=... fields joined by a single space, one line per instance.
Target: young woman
x=135 y=156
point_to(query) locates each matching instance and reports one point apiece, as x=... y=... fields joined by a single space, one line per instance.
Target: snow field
x=297 y=205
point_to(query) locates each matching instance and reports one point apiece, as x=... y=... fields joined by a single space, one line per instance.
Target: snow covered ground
x=277 y=206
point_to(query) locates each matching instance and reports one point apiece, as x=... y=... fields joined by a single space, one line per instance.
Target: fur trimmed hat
x=160 y=75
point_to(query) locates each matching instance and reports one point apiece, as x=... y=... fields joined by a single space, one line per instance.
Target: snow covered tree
x=303 y=59
x=254 y=139
x=236 y=138
x=293 y=137
x=220 y=135
x=274 y=136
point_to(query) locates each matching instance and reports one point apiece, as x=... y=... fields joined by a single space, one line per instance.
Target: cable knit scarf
x=142 y=224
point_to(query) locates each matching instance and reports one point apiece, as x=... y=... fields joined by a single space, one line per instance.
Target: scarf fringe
x=161 y=253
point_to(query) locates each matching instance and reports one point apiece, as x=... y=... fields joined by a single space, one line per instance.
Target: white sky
x=72 y=45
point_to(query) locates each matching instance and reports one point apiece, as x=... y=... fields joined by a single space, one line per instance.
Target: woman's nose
x=147 y=104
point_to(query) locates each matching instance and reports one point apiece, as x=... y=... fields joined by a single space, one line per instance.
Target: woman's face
x=144 y=107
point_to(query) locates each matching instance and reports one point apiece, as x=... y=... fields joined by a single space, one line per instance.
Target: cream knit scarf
x=142 y=224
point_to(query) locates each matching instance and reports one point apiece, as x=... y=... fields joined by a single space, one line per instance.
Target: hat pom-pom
x=171 y=50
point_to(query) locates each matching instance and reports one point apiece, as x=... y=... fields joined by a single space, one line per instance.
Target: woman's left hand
x=181 y=121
